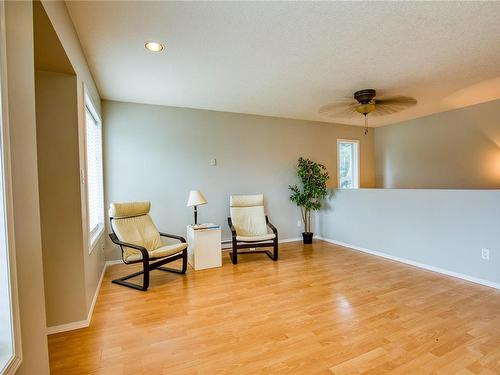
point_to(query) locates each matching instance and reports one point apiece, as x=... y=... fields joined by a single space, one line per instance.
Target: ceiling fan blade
x=403 y=101
x=348 y=112
x=383 y=110
x=391 y=105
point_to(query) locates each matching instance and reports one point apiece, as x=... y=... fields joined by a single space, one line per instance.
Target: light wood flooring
x=321 y=309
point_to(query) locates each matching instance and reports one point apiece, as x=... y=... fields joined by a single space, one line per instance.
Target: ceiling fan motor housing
x=365 y=100
x=365 y=96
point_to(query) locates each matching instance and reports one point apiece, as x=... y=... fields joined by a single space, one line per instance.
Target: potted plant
x=313 y=177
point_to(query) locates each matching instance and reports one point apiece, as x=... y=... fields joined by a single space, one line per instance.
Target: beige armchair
x=139 y=240
x=249 y=226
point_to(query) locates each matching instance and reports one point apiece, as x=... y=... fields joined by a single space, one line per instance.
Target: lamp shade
x=196 y=198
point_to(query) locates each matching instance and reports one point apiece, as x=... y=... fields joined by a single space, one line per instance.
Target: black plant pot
x=307 y=237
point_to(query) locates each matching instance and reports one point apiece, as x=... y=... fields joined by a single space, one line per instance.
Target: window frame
x=5 y=169
x=357 y=160
x=92 y=237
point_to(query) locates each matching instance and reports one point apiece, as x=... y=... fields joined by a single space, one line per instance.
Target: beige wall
x=65 y=30
x=60 y=206
x=458 y=149
x=161 y=153
x=21 y=97
x=63 y=26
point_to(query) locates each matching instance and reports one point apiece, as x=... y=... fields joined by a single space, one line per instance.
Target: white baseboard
x=68 y=327
x=82 y=323
x=428 y=267
x=294 y=239
x=112 y=262
x=96 y=294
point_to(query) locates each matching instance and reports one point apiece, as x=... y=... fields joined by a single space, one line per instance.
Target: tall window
x=348 y=163
x=95 y=200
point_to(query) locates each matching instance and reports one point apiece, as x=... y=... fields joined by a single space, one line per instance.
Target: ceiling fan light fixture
x=364 y=109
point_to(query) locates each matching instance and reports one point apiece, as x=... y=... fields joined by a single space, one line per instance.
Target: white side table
x=204 y=249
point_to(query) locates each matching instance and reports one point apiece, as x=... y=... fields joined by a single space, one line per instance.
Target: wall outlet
x=299 y=223
x=485 y=254
x=213 y=162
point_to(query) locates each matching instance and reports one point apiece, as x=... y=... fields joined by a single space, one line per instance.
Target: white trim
x=96 y=294
x=89 y=104
x=82 y=323
x=16 y=359
x=293 y=239
x=113 y=262
x=68 y=327
x=96 y=239
x=424 y=266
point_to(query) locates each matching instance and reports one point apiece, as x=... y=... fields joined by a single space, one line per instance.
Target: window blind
x=95 y=200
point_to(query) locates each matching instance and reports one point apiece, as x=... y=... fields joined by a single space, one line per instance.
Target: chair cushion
x=246 y=200
x=137 y=230
x=162 y=251
x=130 y=209
x=249 y=221
x=264 y=237
x=248 y=216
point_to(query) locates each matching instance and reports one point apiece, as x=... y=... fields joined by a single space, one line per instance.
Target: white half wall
x=442 y=230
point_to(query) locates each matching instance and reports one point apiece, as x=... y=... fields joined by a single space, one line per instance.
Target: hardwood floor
x=321 y=309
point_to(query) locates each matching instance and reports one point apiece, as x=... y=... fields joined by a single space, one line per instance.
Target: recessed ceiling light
x=153 y=46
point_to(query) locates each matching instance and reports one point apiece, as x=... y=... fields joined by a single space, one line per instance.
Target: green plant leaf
x=313 y=177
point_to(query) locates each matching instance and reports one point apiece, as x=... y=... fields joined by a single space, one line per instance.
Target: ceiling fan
x=365 y=103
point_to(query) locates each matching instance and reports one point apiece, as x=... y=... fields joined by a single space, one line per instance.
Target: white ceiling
x=288 y=59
